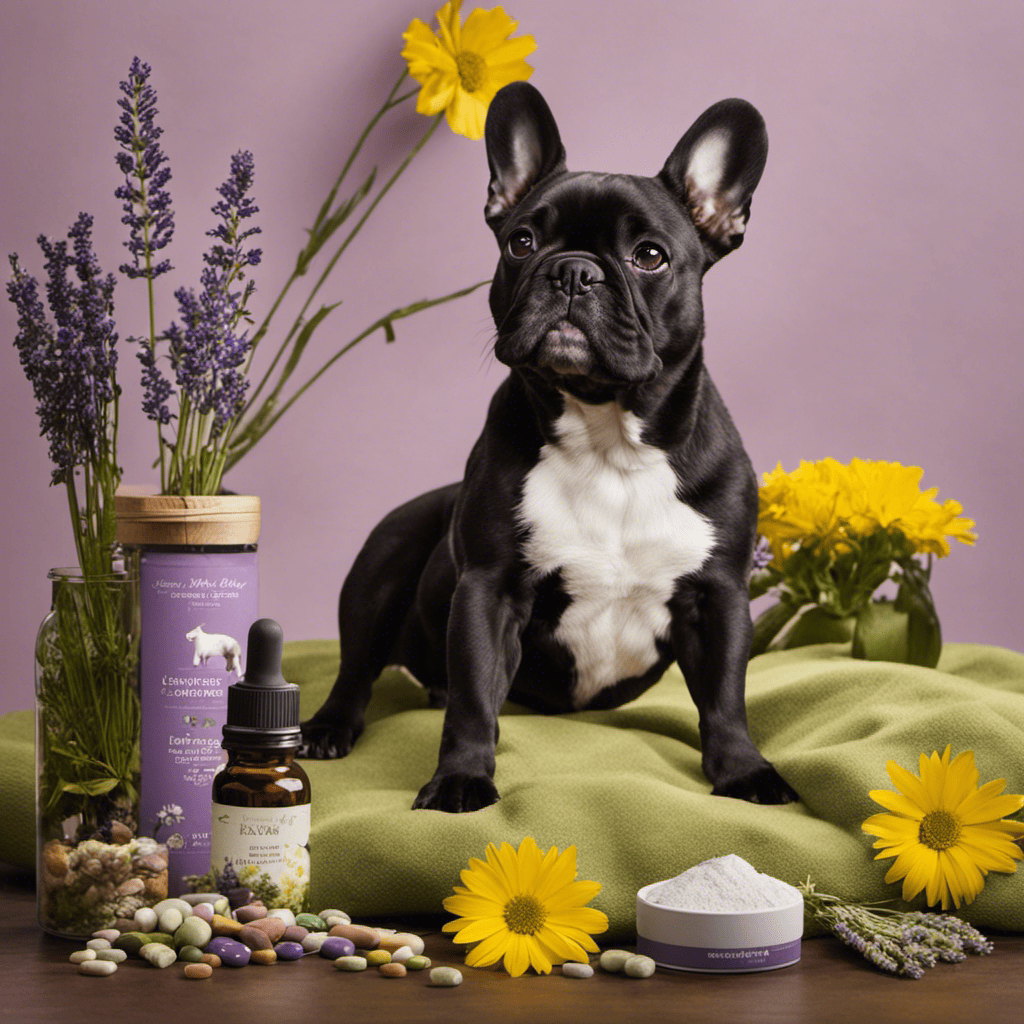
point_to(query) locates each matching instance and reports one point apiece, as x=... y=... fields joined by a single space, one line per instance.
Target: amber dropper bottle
x=261 y=797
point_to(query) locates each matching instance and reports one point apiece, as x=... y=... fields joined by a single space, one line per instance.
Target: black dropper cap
x=263 y=709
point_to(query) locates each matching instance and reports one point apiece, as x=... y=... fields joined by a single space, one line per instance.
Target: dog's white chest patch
x=601 y=507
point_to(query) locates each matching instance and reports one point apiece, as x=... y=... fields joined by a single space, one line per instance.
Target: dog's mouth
x=564 y=350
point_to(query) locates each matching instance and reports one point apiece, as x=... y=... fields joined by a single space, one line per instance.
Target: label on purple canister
x=196 y=612
x=698 y=958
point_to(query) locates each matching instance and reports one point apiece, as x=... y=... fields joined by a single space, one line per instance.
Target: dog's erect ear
x=714 y=170
x=523 y=146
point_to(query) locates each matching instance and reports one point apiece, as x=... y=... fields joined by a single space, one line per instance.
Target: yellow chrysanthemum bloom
x=945 y=833
x=819 y=502
x=463 y=66
x=526 y=907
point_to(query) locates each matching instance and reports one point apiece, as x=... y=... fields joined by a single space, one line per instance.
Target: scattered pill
x=171 y=919
x=81 y=956
x=97 y=968
x=577 y=970
x=364 y=938
x=445 y=977
x=640 y=966
x=224 y=925
x=145 y=919
x=254 y=938
x=392 y=970
x=180 y=905
x=417 y=963
x=334 y=946
x=117 y=956
x=314 y=940
x=204 y=911
x=198 y=971
x=350 y=963
x=98 y=944
x=231 y=952
x=289 y=951
x=158 y=954
x=263 y=956
x=613 y=960
x=283 y=914
x=194 y=931
x=377 y=957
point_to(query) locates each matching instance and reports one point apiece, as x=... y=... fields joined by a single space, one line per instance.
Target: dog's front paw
x=325 y=737
x=762 y=785
x=456 y=793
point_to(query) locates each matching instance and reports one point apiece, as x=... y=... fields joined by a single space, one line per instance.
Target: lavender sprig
x=147 y=203
x=206 y=347
x=71 y=364
x=904 y=943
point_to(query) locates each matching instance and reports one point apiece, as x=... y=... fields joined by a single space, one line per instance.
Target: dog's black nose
x=575 y=274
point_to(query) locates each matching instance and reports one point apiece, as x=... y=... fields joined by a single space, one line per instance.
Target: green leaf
x=299 y=345
x=818 y=626
x=90 y=787
x=881 y=633
x=769 y=623
x=319 y=235
x=924 y=633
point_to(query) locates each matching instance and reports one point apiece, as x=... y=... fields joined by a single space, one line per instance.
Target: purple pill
x=231 y=953
x=289 y=951
x=336 y=946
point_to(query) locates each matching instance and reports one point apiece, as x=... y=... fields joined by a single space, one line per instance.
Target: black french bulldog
x=606 y=520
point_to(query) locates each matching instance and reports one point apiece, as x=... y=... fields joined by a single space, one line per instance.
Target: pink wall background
x=874 y=310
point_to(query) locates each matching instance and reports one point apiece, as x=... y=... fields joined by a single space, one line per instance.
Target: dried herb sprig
x=900 y=942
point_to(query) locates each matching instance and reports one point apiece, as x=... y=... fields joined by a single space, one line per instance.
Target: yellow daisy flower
x=945 y=832
x=819 y=503
x=463 y=66
x=526 y=907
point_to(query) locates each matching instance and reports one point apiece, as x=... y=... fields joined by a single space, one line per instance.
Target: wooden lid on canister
x=147 y=518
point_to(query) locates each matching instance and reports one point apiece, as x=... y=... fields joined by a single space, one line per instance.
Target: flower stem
x=245 y=442
x=325 y=207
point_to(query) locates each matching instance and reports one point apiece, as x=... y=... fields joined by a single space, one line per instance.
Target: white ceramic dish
x=719 y=941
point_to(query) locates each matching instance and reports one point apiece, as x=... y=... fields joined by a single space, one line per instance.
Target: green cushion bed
x=625 y=786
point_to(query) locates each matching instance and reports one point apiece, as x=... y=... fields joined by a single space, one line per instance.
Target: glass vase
x=93 y=868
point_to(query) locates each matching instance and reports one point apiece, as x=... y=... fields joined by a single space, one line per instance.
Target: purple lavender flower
x=762 y=555
x=147 y=203
x=235 y=206
x=206 y=349
x=157 y=387
x=71 y=365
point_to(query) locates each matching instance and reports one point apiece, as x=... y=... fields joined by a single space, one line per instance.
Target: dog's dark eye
x=648 y=257
x=520 y=244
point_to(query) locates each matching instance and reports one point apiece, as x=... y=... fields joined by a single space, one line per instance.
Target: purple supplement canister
x=198 y=583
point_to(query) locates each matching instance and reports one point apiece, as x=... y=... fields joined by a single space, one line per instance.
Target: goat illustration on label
x=211 y=645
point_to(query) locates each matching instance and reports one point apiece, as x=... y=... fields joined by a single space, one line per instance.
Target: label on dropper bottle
x=266 y=849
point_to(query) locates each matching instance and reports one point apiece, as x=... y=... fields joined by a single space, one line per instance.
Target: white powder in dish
x=723 y=883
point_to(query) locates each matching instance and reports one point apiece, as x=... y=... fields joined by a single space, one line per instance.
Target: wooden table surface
x=830 y=984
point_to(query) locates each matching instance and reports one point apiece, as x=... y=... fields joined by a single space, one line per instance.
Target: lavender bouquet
x=86 y=651
x=200 y=401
